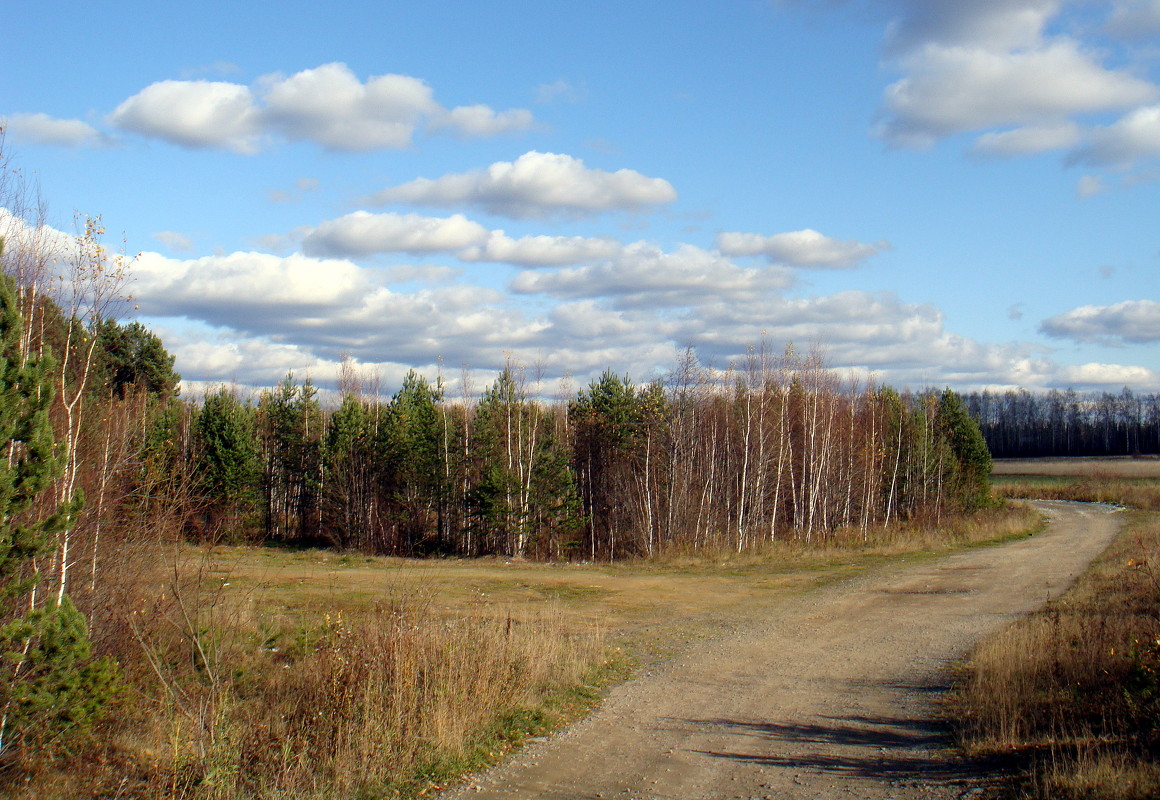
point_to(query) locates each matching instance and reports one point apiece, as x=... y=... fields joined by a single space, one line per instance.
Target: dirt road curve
x=829 y=695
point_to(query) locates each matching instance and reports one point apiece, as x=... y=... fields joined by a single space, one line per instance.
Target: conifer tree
x=51 y=689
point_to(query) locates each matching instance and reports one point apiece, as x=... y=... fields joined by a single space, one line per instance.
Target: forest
x=776 y=448
x=1020 y=424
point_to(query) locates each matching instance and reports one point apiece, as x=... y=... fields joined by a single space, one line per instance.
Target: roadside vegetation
x=1069 y=698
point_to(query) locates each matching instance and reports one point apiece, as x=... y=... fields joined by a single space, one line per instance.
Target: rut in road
x=831 y=695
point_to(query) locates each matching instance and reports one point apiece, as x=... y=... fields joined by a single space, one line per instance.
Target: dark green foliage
x=291 y=429
x=60 y=689
x=415 y=475
x=608 y=432
x=352 y=511
x=228 y=466
x=133 y=357
x=968 y=451
x=52 y=689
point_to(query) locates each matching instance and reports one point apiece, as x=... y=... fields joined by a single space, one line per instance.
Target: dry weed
x=1073 y=692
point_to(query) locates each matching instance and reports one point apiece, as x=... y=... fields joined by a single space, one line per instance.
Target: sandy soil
x=830 y=694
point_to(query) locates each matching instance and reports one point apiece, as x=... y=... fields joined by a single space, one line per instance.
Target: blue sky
x=936 y=192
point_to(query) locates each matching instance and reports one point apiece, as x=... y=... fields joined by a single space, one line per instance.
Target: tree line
x=774 y=449
x=1019 y=424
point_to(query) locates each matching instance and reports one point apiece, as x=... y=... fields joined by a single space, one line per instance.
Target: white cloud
x=197 y=114
x=1132 y=321
x=805 y=248
x=481 y=120
x=535 y=185
x=1029 y=140
x=1135 y=19
x=225 y=289
x=43 y=129
x=1105 y=375
x=992 y=24
x=559 y=90
x=1133 y=137
x=542 y=251
x=363 y=233
x=331 y=106
x=1089 y=186
x=328 y=105
x=950 y=90
x=177 y=242
x=644 y=275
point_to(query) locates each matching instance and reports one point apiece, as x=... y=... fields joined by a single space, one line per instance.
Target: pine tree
x=52 y=688
x=228 y=458
x=968 y=449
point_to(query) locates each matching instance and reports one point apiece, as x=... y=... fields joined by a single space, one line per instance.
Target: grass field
x=1123 y=481
x=274 y=673
x=1117 y=467
x=1070 y=697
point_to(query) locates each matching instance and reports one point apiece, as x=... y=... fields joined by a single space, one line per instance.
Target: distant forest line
x=1020 y=424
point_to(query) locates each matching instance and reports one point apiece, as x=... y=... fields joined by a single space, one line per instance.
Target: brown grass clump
x=381 y=700
x=1072 y=694
x=1095 y=487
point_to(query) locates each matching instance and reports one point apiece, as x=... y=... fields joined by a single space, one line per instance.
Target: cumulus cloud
x=535 y=185
x=1089 y=186
x=542 y=251
x=328 y=105
x=481 y=120
x=1029 y=140
x=993 y=25
x=1133 y=137
x=1094 y=375
x=256 y=316
x=950 y=90
x=195 y=114
x=559 y=91
x=329 y=306
x=1132 y=321
x=43 y=129
x=224 y=290
x=1135 y=19
x=363 y=233
x=805 y=248
x=644 y=275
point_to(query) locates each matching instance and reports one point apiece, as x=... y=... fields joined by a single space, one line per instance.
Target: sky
x=931 y=193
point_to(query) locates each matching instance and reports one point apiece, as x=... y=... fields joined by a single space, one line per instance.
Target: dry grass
x=1071 y=695
x=1132 y=482
x=263 y=673
x=387 y=698
x=1116 y=466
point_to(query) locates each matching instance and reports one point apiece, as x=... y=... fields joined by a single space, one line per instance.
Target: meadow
x=261 y=672
x=1067 y=701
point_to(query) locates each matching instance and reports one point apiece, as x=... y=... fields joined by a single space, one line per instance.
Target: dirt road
x=827 y=695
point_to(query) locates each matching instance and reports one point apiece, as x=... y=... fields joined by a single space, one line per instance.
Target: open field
x=1116 y=467
x=647 y=607
x=1125 y=481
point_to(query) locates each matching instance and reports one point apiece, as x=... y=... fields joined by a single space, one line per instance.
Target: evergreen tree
x=131 y=356
x=291 y=433
x=968 y=449
x=227 y=458
x=410 y=448
x=350 y=466
x=52 y=688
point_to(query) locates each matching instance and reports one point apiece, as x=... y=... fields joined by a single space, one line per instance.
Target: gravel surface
x=830 y=694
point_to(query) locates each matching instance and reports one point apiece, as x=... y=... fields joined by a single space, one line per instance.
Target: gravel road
x=827 y=695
